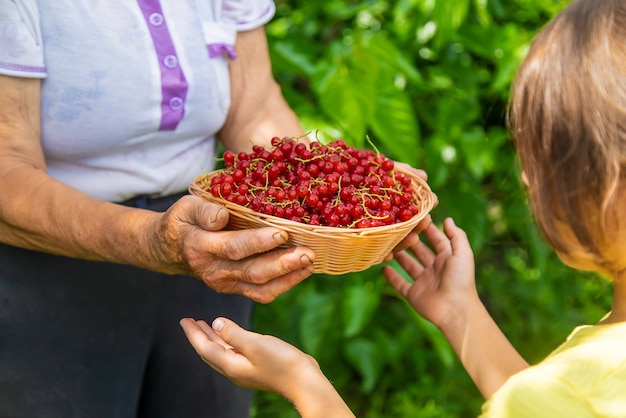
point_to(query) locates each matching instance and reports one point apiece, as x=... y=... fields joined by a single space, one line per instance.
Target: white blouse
x=133 y=91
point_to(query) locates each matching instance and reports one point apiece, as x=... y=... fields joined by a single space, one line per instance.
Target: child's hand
x=443 y=281
x=444 y=292
x=250 y=360
x=263 y=362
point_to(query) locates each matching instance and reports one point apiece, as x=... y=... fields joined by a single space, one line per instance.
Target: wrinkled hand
x=443 y=279
x=251 y=360
x=191 y=240
x=413 y=237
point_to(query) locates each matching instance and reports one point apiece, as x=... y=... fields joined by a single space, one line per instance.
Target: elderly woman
x=109 y=109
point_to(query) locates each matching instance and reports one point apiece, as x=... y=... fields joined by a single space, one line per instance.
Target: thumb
x=232 y=334
x=458 y=238
x=207 y=215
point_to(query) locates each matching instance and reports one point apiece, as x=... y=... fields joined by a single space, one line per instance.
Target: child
x=568 y=119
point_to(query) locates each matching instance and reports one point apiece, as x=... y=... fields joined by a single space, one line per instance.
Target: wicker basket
x=338 y=250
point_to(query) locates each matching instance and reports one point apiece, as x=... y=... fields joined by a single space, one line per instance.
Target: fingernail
x=213 y=219
x=218 y=324
x=305 y=260
x=280 y=237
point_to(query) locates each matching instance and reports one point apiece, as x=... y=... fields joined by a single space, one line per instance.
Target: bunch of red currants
x=332 y=185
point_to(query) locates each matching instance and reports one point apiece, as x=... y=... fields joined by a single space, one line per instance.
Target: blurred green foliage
x=427 y=81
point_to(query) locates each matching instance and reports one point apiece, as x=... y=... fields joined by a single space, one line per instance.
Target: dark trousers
x=88 y=339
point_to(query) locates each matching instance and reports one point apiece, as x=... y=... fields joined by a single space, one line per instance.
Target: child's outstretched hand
x=251 y=360
x=444 y=292
x=264 y=362
x=443 y=279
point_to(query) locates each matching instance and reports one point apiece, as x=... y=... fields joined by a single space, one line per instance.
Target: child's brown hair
x=568 y=118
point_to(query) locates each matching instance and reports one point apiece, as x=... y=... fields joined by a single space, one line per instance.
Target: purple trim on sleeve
x=215 y=50
x=173 y=82
x=25 y=68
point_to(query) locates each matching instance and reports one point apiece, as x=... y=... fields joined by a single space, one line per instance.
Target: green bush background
x=428 y=82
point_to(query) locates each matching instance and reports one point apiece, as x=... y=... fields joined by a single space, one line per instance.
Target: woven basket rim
x=426 y=204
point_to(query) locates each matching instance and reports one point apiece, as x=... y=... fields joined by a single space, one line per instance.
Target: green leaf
x=346 y=90
x=317 y=322
x=480 y=150
x=465 y=201
x=395 y=124
x=293 y=58
x=367 y=358
x=390 y=55
x=439 y=341
x=449 y=15
x=338 y=97
x=482 y=12
x=360 y=301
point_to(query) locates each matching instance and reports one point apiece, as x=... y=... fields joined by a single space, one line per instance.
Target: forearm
x=40 y=213
x=483 y=349
x=319 y=399
x=258 y=109
x=271 y=117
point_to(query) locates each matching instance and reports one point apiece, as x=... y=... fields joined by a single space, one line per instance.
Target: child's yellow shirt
x=584 y=377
